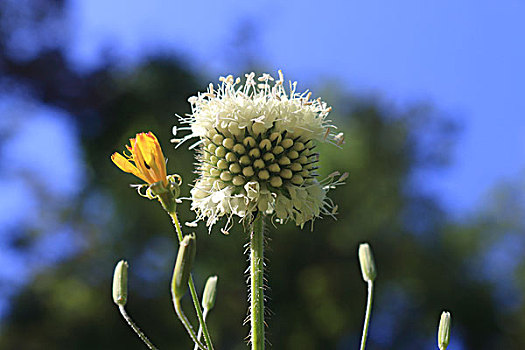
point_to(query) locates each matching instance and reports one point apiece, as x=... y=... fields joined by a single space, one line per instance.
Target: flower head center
x=269 y=157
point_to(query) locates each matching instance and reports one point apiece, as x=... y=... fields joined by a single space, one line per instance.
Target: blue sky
x=466 y=58
x=26 y=169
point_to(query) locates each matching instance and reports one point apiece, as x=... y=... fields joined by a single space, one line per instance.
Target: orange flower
x=145 y=159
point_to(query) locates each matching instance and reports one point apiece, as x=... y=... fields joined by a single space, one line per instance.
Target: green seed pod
x=248 y=171
x=120 y=283
x=264 y=175
x=265 y=145
x=255 y=153
x=284 y=160
x=222 y=164
x=444 y=330
x=235 y=168
x=278 y=150
x=298 y=146
x=296 y=167
x=226 y=176
x=228 y=143
x=210 y=291
x=297 y=179
x=258 y=164
x=239 y=149
x=276 y=181
x=220 y=152
x=287 y=143
x=275 y=136
x=245 y=160
x=268 y=157
x=231 y=157
x=249 y=141
x=293 y=154
x=238 y=180
x=366 y=259
x=258 y=128
x=274 y=168
x=217 y=139
x=183 y=265
x=286 y=174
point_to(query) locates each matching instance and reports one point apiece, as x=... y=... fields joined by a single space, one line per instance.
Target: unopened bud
x=210 y=290
x=120 y=283
x=444 y=330
x=366 y=259
x=183 y=265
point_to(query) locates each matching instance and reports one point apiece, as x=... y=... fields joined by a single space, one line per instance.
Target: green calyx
x=167 y=195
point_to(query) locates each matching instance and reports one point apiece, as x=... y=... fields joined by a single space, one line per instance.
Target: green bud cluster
x=270 y=157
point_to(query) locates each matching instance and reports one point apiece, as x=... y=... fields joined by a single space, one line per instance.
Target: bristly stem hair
x=257 y=282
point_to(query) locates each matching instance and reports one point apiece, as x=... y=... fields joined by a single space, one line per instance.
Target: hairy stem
x=367 y=314
x=193 y=292
x=137 y=330
x=256 y=283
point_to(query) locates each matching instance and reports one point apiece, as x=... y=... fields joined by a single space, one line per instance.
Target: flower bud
x=120 y=283
x=183 y=265
x=366 y=259
x=444 y=330
x=210 y=290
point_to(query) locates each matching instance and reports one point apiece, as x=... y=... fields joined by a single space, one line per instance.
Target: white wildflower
x=257 y=151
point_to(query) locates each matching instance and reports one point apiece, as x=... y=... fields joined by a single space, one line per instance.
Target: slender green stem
x=193 y=292
x=256 y=283
x=199 y=333
x=367 y=314
x=186 y=323
x=137 y=330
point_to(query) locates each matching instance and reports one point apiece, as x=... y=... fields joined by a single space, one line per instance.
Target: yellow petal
x=146 y=145
x=125 y=165
x=142 y=166
x=160 y=161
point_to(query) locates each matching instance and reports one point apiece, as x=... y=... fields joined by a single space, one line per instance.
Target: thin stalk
x=186 y=323
x=199 y=333
x=137 y=330
x=367 y=314
x=256 y=283
x=193 y=292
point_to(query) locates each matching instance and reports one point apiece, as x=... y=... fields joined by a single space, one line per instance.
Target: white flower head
x=257 y=151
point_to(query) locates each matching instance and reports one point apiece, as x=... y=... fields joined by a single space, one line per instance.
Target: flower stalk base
x=367 y=314
x=257 y=283
x=193 y=291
